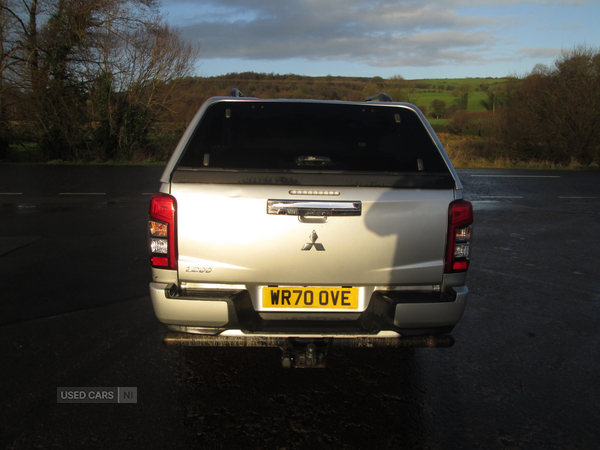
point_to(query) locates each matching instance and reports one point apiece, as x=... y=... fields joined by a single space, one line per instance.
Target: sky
x=356 y=38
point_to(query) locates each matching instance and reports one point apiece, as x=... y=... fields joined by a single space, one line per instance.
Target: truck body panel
x=288 y=222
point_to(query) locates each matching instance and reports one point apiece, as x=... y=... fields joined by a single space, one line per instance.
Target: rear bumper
x=287 y=344
x=223 y=312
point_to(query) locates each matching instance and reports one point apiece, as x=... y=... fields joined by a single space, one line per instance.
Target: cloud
x=540 y=53
x=383 y=33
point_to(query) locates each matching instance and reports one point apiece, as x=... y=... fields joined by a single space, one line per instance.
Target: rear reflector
x=460 y=266
x=157 y=261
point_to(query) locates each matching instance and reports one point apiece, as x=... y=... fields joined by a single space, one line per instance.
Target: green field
x=428 y=90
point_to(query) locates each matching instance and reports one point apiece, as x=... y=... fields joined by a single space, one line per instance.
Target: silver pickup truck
x=305 y=224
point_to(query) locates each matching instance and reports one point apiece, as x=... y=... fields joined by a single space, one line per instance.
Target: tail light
x=460 y=218
x=161 y=231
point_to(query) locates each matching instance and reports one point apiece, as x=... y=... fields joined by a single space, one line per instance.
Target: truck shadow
x=365 y=398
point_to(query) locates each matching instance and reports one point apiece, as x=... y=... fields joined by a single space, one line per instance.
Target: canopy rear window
x=295 y=138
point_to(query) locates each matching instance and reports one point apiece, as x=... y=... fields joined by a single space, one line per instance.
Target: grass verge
x=463 y=152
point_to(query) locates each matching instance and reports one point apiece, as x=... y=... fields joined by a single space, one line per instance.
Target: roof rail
x=235 y=92
x=381 y=97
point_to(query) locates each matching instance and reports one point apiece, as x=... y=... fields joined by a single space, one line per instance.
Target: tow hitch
x=313 y=355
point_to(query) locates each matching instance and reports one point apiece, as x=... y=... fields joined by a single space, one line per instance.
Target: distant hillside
x=447 y=89
x=193 y=91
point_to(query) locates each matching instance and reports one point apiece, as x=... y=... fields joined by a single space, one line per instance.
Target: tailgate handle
x=314 y=208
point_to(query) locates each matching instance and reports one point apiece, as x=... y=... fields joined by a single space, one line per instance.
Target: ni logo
x=309 y=245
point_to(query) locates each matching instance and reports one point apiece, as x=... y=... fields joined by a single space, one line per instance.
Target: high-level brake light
x=460 y=218
x=162 y=231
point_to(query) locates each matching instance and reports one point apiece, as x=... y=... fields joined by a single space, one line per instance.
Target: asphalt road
x=75 y=311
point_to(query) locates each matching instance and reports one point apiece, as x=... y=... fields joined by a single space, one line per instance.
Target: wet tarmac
x=75 y=312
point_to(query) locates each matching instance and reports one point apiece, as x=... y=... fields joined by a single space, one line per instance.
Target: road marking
x=82 y=193
x=485 y=205
x=567 y=286
x=11 y=193
x=501 y=196
x=589 y=198
x=517 y=176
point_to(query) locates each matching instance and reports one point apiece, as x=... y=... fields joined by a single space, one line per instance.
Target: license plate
x=310 y=298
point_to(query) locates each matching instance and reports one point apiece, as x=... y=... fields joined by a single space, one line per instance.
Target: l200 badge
x=198 y=269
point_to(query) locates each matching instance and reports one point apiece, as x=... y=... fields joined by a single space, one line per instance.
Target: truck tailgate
x=225 y=235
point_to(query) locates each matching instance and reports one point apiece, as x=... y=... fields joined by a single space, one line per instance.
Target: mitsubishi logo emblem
x=309 y=245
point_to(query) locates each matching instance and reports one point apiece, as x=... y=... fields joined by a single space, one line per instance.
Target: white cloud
x=540 y=53
x=378 y=33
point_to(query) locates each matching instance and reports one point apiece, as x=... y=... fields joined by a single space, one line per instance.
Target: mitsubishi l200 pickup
x=306 y=224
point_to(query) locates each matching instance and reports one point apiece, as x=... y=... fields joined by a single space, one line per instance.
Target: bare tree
x=554 y=113
x=8 y=50
x=94 y=74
